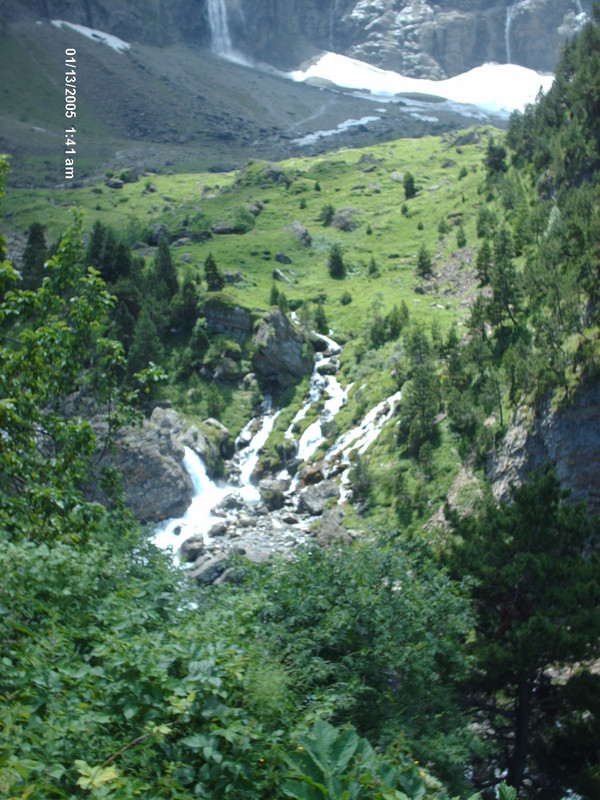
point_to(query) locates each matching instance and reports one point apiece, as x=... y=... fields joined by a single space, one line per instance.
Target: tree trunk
x=516 y=767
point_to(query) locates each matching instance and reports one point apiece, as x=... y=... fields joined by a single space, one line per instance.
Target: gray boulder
x=271 y=493
x=314 y=499
x=280 y=358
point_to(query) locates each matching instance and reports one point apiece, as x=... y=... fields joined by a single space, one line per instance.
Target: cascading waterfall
x=507 y=27
x=234 y=505
x=332 y=21
x=208 y=493
x=219 y=29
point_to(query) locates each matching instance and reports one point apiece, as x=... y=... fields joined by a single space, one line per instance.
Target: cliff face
x=414 y=37
x=568 y=437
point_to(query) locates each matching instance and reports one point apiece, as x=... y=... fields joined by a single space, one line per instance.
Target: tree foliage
x=537 y=597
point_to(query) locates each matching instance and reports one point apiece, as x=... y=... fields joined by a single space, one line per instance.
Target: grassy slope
x=447 y=175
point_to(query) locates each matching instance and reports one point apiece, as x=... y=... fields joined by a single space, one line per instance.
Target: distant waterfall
x=219 y=29
x=332 y=23
x=507 y=26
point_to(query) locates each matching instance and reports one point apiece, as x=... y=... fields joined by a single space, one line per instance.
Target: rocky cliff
x=568 y=437
x=414 y=37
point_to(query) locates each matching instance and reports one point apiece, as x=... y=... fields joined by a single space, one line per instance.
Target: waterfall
x=332 y=22
x=507 y=26
x=219 y=29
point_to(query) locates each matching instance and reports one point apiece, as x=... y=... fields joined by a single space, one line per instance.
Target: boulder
x=209 y=570
x=218 y=529
x=314 y=499
x=279 y=276
x=156 y=484
x=331 y=530
x=221 y=435
x=223 y=228
x=114 y=183
x=192 y=549
x=271 y=492
x=343 y=219
x=280 y=358
x=301 y=233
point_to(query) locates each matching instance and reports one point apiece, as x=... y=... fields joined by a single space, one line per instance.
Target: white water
x=507 y=27
x=358 y=440
x=198 y=519
x=219 y=28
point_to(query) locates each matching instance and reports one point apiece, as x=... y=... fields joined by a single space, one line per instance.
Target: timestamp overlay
x=70 y=112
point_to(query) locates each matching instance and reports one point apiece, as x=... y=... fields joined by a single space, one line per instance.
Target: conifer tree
x=214 y=280
x=146 y=345
x=164 y=270
x=337 y=268
x=34 y=257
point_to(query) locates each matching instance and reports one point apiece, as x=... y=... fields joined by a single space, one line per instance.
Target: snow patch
x=497 y=88
x=96 y=36
x=311 y=138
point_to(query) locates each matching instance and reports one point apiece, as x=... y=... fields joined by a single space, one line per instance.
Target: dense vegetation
x=410 y=664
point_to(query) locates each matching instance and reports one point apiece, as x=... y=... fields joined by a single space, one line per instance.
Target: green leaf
x=507 y=792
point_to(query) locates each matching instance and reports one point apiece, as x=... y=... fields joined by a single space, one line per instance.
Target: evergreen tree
x=164 y=270
x=274 y=296
x=335 y=263
x=321 y=323
x=326 y=214
x=483 y=262
x=424 y=264
x=214 y=280
x=146 y=345
x=184 y=307
x=93 y=253
x=34 y=257
x=410 y=188
x=108 y=257
x=282 y=302
x=537 y=596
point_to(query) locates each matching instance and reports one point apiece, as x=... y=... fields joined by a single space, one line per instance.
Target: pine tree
x=424 y=262
x=146 y=345
x=321 y=323
x=337 y=268
x=164 y=270
x=93 y=253
x=34 y=257
x=537 y=596
x=214 y=280
x=410 y=189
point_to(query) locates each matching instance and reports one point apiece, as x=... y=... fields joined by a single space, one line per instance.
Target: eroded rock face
x=419 y=38
x=150 y=461
x=228 y=320
x=280 y=358
x=569 y=438
x=415 y=37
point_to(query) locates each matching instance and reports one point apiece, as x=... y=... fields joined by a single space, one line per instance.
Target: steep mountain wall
x=415 y=37
x=568 y=437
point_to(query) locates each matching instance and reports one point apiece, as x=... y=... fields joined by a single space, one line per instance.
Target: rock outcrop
x=149 y=459
x=226 y=319
x=280 y=358
x=422 y=39
x=568 y=437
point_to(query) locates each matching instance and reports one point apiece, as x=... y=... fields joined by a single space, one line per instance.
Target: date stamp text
x=70 y=111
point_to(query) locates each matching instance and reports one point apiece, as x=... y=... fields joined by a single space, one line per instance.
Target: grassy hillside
x=175 y=108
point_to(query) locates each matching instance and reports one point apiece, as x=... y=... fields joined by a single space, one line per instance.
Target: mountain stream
x=230 y=516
